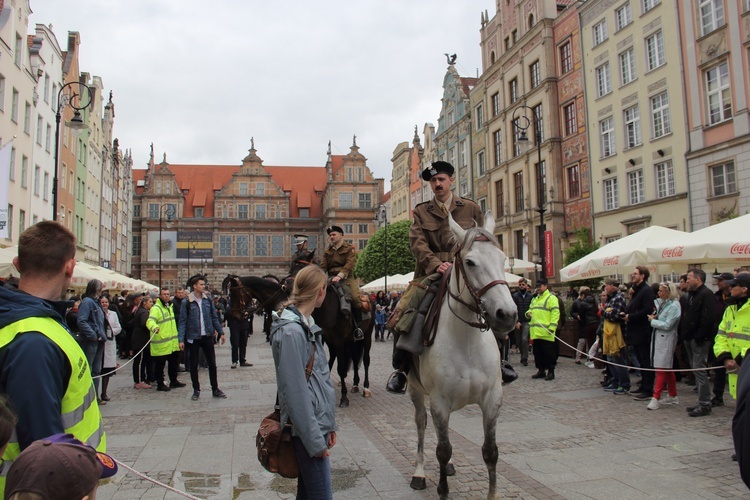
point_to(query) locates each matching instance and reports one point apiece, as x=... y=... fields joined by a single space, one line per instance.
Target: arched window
x=531 y=20
x=492 y=57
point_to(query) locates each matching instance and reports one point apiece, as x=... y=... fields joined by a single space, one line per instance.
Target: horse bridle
x=476 y=295
x=246 y=297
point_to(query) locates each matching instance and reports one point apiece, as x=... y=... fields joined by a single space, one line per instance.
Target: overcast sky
x=199 y=79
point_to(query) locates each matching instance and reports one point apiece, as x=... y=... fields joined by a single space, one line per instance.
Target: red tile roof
x=304 y=183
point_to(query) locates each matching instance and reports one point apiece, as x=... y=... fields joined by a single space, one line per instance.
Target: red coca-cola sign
x=574 y=271
x=740 y=249
x=612 y=261
x=671 y=253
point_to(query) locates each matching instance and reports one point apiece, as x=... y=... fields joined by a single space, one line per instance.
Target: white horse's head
x=482 y=263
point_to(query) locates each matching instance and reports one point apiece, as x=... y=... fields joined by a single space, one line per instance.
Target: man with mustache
x=431 y=242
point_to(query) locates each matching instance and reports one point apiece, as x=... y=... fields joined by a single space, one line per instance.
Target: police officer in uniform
x=338 y=262
x=431 y=242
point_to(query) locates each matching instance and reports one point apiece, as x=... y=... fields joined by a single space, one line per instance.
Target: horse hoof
x=367 y=393
x=418 y=483
x=450 y=470
x=355 y=389
x=344 y=403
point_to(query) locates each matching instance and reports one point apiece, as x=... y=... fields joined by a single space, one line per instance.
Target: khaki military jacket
x=430 y=236
x=340 y=262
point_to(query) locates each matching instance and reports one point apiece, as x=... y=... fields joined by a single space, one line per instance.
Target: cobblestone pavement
x=565 y=438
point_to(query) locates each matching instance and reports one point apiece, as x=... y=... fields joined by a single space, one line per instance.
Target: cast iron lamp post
x=381 y=215
x=522 y=124
x=166 y=210
x=71 y=96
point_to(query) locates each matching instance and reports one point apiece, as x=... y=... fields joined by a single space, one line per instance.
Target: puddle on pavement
x=203 y=485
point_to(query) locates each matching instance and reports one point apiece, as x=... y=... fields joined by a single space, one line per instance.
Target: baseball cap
x=58 y=467
x=742 y=279
x=724 y=276
x=541 y=281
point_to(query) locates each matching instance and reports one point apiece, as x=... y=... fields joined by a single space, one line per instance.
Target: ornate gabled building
x=222 y=219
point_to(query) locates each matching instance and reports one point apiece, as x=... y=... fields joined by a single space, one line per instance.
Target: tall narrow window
x=718 y=93
x=632 y=127
x=538 y=123
x=607 y=132
x=723 y=179
x=566 y=58
x=660 y=122
x=603 y=80
x=569 y=115
x=518 y=190
x=497 y=147
x=479 y=113
x=655 y=50
x=664 y=179
x=573 y=179
x=513 y=90
x=495 y=104
x=627 y=66
x=712 y=15
x=611 y=199
x=636 y=193
x=499 y=199
x=600 y=32
x=481 y=167
x=2 y=93
x=650 y=4
x=623 y=16
x=535 y=74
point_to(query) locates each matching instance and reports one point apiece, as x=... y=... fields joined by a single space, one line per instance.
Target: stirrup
x=396 y=382
x=358 y=334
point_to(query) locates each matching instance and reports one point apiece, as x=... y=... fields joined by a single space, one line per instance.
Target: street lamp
x=511 y=261
x=193 y=247
x=168 y=210
x=522 y=124
x=68 y=96
x=382 y=216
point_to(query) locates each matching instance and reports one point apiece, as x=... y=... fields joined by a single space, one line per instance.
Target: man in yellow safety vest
x=164 y=344
x=37 y=350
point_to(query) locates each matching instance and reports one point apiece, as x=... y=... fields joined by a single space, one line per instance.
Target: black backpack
x=563 y=314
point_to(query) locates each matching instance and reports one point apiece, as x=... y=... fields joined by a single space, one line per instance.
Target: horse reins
x=477 y=307
x=245 y=295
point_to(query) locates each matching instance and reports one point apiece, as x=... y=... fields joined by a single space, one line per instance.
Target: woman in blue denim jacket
x=309 y=404
x=91 y=328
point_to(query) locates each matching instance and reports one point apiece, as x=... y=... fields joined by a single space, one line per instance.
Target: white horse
x=463 y=365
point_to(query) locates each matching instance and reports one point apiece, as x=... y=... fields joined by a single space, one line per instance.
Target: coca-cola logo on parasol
x=671 y=253
x=612 y=261
x=740 y=249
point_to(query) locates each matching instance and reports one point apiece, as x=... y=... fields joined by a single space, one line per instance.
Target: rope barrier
x=109 y=373
x=676 y=370
x=144 y=476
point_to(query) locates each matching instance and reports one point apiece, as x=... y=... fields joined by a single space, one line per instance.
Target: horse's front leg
x=490 y=411
x=341 y=367
x=440 y=418
x=366 y=362
x=418 y=481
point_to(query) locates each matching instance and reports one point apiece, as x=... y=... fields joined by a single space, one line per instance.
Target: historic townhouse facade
x=574 y=151
x=221 y=219
x=68 y=188
x=636 y=123
x=715 y=40
x=400 y=183
x=453 y=138
x=520 y=91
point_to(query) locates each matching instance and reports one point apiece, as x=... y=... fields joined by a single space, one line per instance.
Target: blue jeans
x=94 y=352
x=314 y=480
x=620 y=375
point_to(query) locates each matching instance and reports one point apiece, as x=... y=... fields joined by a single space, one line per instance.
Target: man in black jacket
x=697 y=327
x=522 y=298
x=639 y=328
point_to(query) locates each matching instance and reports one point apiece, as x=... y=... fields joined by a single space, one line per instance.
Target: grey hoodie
x=310 y=405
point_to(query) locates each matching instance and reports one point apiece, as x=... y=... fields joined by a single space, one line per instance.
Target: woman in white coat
x=109 y=364
x=664 y=322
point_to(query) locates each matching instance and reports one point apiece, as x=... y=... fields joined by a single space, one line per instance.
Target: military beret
x=438 y=167
x=334 y=229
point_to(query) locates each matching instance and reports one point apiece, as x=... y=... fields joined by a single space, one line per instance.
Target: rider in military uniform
x=301 y=255
x=338 y=261
x=432 y=242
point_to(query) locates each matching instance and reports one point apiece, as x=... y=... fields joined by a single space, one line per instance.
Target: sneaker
x=234 y=365
x=196 y=395
x=717 y=401
x=669 y=400
x=654 y=404
x=643 y=397
x=590 y=364
x=610 y=388
x=621 y=390
x=700 y=411
x=218 y=393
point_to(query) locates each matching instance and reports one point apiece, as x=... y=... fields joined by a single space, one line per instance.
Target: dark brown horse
x=337 y=328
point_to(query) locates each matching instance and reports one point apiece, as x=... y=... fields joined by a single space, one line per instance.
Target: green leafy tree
x=371 y=261
x=583 y=246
